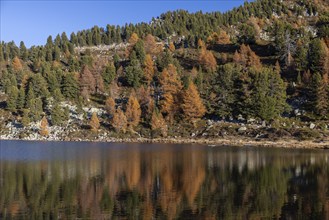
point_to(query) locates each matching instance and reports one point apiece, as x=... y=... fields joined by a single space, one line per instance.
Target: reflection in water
x=105 y=181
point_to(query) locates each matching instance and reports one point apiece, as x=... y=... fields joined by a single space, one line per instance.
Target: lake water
x=67 y=180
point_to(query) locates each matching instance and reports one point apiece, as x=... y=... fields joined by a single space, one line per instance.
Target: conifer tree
x=148 y=69
x=192 y=105
x=320 y=94
x=133 y=111
x=12 y=98
x=110 y=106
x=87 y=82
x=44 y=127
x=56 y=115
x=17 y=65
x=109 y=74
x=21 y=98
x=171 y=87
x=94 y=122
x=70 y=87
x=134 y=73
x=172 y=47
x=158 y=123
x=25 y=119
x=119 y=121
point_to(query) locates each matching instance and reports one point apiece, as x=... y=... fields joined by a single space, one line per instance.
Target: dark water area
x=82 y=180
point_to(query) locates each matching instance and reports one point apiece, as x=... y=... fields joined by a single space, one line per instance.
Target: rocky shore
x=213 y=142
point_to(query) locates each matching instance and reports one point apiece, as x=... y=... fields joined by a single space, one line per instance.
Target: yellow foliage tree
x=119 y=121
x=17 y=65
x=172 y=47
x=44 y=127
x=192 y=106
x=207 y=60
x=94 y=122
x=150 y=44
x=148 y=69
x=133 y=39
x=158 y=123
x=171 y=86
x=110 y=106
x=133 y=111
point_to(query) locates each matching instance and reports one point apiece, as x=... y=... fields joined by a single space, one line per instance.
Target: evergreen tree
x=56 y=115
x=109 y=74
x=134 y=73
x=12 y=98
x=70 y=87
x=25 y=119
x=21 y=98
x=320 y=96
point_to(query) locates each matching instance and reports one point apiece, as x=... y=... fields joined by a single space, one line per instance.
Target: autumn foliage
x=133 y=111
x=44 y=127
x=17 y=65
x=148 y=69
x=158 y=123
x=247 y=57
x=94 y=122
x=110 y=106
x=119 y=121
x=192 y=106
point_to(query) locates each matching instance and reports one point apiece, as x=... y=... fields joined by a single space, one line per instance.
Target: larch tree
x=17 y=65
x=172 y=47
x=133 y=111
x=150 y=44
x=110 y=106
x=44 y=127
x=87 y=82
x=148 y=69
x=171 y=87
x=158 y=123
x=94 y=122
x=207 y=60
x=192 y=105
x=119 y=121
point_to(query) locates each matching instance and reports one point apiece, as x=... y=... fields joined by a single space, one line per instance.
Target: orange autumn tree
x=192 y=106
x=171 y=86
x=17 y=65
x=206 y=57
x=158 y=123
x=110 y=106
x=94 y=122
x=44 y=127
x=148 y=69
x=247 y=57
x=150 y=44
x=119 y=121
x=172 y=47
x=133 y=111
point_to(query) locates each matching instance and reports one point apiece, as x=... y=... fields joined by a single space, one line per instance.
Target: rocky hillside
x=258 y=71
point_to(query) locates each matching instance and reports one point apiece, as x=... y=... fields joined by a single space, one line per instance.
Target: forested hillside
x=260 y=70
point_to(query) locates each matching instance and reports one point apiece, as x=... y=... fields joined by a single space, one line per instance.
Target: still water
x=67 y=180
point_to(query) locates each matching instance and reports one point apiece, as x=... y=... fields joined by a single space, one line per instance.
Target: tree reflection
x=133 y=183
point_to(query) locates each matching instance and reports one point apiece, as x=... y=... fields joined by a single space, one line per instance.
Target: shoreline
x=213 y=142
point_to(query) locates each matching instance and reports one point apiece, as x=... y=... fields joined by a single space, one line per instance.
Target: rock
x=264 y=124
x=193 y=135
x=242 y=129
x=241 y=118
x=251 y=120
x=312 y=126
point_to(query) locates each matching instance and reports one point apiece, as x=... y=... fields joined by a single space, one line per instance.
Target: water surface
x=70 y=180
